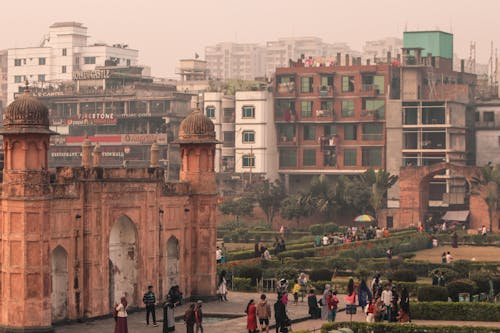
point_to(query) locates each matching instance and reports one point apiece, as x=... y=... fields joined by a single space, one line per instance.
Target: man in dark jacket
x=280 y=315
x=149 y=299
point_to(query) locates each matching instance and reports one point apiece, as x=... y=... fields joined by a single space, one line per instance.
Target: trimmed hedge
x=360 y=327
x=243 y=284
x=465 y=311
x=404 y=275
x=460 y=286
x=432 y=294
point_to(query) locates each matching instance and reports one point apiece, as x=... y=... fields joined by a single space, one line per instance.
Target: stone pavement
x=235 y=307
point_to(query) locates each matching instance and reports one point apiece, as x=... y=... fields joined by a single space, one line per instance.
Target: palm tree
x=487 y=182
x=323 y=196
x=380 y=181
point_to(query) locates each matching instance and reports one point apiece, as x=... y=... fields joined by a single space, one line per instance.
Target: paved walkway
x=236 y=306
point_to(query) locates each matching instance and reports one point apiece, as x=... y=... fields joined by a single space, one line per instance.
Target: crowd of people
x=352 y=234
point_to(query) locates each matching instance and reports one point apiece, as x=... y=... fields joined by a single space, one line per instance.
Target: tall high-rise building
x=235 y=61
x=62 y=53
x=379 y=48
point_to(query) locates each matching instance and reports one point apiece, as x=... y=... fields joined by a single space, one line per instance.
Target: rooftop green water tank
x=439 y=43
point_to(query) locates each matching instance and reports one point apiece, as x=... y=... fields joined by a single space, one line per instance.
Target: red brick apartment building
x=330 y=119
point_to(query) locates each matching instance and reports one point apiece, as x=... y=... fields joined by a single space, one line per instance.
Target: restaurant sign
x=97 y=74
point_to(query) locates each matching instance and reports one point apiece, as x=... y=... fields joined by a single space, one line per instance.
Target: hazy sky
x=165 y=31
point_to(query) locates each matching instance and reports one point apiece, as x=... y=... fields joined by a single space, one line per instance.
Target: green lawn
x=475 y=253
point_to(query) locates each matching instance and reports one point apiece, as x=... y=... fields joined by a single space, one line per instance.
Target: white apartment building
x=3 y=80
x=255 y=134
x=220 y=108
x=244 y=125
x=487 y=125
x=64 y=51
x=235 y=61
x=379 y=48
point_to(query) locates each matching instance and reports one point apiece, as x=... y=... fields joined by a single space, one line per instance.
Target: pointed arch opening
x=123 y=261
x=59 y=296
x=173 y=255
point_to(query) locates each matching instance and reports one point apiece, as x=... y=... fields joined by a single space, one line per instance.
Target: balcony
x=286 y=140
x=287 y=115
x=370 y=89
x=286 y=89
x=325 y=91
x=328 y=142
x=372 y=136
x=324 y=115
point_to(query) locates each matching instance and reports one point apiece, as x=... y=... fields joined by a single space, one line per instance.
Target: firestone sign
x=97 y=74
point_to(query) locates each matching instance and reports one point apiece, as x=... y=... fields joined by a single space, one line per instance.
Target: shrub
x=235 y=237
x=460 y=286
x=317 y=229
x=482 y=280
x=285 y=272
x=466 y=311
x=448 y=273
x=243 y=284
x=226 y=239
x=432 y=294
x=331 y=227
x=253 y=272
x=404 y=275
x=407 y=255
x=361 y=327
x=321 y=274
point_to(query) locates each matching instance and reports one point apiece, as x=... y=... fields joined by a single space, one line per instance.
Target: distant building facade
x=244 y=61
x=118 y=108
x=63 y=52
x=378 y=49
x=487 y=124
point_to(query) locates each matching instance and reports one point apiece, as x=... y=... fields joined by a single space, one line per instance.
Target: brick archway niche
x=414 y=194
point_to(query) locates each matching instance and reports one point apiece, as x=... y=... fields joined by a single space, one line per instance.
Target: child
x=295 y=291
x=370 y=318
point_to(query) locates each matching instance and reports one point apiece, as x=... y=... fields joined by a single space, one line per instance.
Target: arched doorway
x=123 y=261
x=59 y=296
x=172 y=262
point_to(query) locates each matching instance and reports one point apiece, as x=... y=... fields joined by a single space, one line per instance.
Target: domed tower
x=25 y=269
x=197 y=145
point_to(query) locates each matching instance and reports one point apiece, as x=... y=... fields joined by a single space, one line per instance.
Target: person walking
x=263 y=313
x=149 y=299
x=323 y=302
x=198 y=317
x=280 y=315
x=168 y=315
x=189 y=318
x=121 y=325
x=303 y=285
x=386 y=298
x=312 y=303
x=364 y=295
x=333 y=302
x=404 y=306
x=350 y=298
x=251 y=312
x=222 y=287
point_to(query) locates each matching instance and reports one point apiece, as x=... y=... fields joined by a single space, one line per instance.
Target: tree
x=380 y=181
x=325 y=197
x=487 y=182
x=358 y=194
x=237 y=207
x=269 y=196
x=292 y=209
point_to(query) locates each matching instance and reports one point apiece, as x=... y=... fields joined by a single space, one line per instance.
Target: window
x=306 y=84
x=350 y=157
x=329 y=130
x=288 y=158
x=228 y=139
x=19 y=78
x=372 y=131
x=210 y=111
x=371 y=156
x=42 y=61
x=64 y=52
x=41 y=77
x=248 y=111
x=376 y=106
x=309 y=132
x=309 y=157
x=306 y=108
x=347 y=108
x=63 y=69
x=286 y=133
x=248 y=161
x=89 y=60
x=327 y=106
x=350 y=132
x=477 y=116
x=489 y=116
x=248 y=136
x=347 y=83
x=228 y=115
x=128 y=62
x=326 y=81
x=17 y=62
x=379 y=84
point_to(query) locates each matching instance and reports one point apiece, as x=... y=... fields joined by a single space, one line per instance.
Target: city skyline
x=166 y=32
